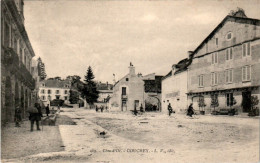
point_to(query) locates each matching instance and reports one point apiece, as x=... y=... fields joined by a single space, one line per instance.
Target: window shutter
x=248 y=49
x=244 y=50
x=226 y=54
x=202 y=82
x=216 y=57
x=243 y=73
x=212 y=58
x=216 y=78
x=231 y=75
x=231 y=53
x=226 y=75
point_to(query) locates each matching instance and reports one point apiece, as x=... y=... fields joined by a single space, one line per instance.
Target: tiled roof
x=56 y=83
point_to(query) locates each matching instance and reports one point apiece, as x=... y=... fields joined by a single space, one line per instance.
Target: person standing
x=17 y=116
x=47 y=110
x=170 y=109
x=36 y=116
x=141 y=108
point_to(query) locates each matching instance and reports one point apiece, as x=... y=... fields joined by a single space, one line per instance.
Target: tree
x=254 y=110
x=41 y=69
x=74 y=97
x=89 y=91
x=201 y=103
x=214 y=101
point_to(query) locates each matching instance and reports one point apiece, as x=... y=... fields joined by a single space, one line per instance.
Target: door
x=124 y=105
x=246 y=102
x=136 y=105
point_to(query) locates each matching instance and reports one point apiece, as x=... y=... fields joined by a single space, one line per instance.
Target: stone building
x=174 y=86
x=54 y=89
x=128 y=92
x=226 y=65
x=134 y=90
x=105 y=91
x=152 y=92
x=17 y=82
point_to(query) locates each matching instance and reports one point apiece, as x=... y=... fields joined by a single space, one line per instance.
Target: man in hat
x=17 y=116
x=36 y=116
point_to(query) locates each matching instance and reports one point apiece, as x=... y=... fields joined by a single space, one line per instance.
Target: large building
x=52 y=89
x=17 y=82
x=226 y=65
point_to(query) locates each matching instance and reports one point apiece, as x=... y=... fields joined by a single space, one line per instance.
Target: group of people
x=101 y=108
x=35 y=115
x=190 y=110
x=141 y=110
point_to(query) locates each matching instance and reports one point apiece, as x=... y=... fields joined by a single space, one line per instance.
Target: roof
x=56 y=83
x=227 y=18
x=168 y=75
x=104 y=86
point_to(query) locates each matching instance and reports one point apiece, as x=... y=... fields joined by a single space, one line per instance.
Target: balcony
x=124 y=96
x=11 y=61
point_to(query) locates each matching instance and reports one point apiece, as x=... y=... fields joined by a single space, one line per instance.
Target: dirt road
x=155 y=137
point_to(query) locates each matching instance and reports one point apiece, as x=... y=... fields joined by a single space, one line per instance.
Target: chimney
x=190 y=54
x=173 y=68
x=131 y=69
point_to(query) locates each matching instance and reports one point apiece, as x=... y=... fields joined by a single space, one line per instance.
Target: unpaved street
x=155 y=137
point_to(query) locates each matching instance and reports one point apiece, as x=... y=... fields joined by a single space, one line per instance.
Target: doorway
x=246 y=101
x=124 y=105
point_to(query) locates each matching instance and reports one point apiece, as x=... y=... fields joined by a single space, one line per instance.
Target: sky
x=107 y=35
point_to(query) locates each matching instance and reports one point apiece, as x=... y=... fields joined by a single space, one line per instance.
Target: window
x=230 y=99
x=123 y=90
x=246 y=73
x=126 y=79
x=65 y=92
x=229 y=36
x=49 y=97
x=201 y=82
x=43 y=84
x=214 y=78
x=42 y=91
x=246 y=49
x=229 y=54
x=229 y=75
x=43 y=97
x=57 y=91
x=65 y=97
x=49 y=91
x=214 y=58
x=217 y=41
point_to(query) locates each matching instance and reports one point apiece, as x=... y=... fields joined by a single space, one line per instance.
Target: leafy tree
x=74 y=97
x=201 y=103
x=89 y=90
x=214 y=101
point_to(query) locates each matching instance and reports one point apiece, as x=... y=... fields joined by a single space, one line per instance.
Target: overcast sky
x=69 y=36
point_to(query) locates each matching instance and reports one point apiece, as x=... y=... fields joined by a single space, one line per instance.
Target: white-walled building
x=174 y=87
x=54 y=89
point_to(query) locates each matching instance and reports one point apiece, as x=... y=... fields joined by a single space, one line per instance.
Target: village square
x=94 y=94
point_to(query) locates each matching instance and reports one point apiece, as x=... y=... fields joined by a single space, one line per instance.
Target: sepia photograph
x=130 y=81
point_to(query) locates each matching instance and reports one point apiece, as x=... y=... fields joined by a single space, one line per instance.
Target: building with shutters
x=226 y=65
x=52 y=89
x=17 y=82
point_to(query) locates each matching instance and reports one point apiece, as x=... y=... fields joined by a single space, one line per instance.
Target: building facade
x=17 y=82
x=54 y=89
x=226 y=65
x=175 y=88
x=128 y=92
